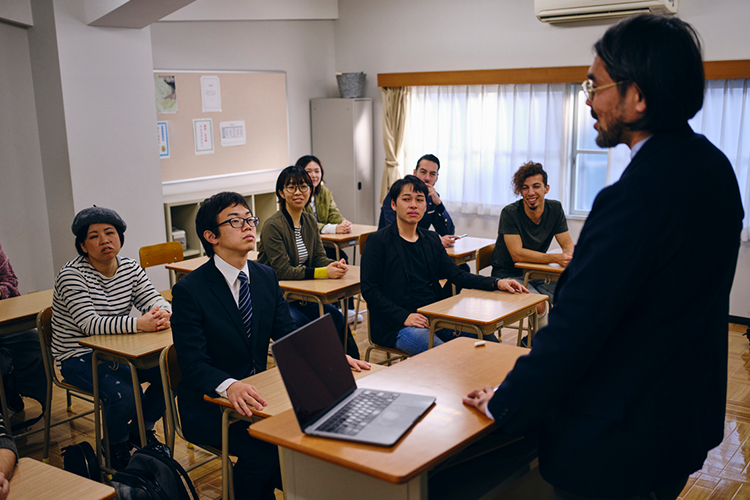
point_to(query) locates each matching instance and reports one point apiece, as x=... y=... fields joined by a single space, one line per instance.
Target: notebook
x=325 y=396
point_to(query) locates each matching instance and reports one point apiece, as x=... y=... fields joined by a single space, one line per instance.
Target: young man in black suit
x=224 y=315
x=629 y=398
x=401 y=268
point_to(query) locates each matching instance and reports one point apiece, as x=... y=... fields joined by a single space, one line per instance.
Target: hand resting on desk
x=154 y=320
x=511 y=286
x=240 y=395
x=479 y=398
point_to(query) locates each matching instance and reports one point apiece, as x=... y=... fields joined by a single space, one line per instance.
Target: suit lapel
x=396 y=242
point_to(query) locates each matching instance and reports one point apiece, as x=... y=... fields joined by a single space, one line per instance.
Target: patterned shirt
x=86 y=303
x=301 y=248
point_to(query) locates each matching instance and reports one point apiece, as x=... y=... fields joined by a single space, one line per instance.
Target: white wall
x=304 y=49
x=23 y=225
x=442 y=35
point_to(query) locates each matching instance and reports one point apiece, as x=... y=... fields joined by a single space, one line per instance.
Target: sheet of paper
x=166 y=94
x=232 y=133
x=210 y=93
x=163 y=132
x=203 y=133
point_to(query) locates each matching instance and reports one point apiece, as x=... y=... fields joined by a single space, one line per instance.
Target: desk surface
x=271 y=387
x=448 y=372
x=357 y=231
x=186 y=266
x=468 y=245
x=547 y=268
x=481 y=307
x=33 y=480
x=131 y=346
x=24 y=306
x=325 y=287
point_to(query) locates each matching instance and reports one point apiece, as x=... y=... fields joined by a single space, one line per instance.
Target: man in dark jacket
x=628 y=398
x=401 y=268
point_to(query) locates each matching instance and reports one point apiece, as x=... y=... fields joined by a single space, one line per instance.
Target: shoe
x=135 y=439
x=350 y=316
x=119 y=456
x=524 y=342
x=14 y=401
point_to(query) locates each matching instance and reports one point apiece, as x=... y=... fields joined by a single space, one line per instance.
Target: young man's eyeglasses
x=239 y=222
x=291 y=188
x=589 y=90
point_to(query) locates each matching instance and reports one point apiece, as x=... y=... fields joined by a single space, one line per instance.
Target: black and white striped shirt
x=301 y=248
x=88 y=303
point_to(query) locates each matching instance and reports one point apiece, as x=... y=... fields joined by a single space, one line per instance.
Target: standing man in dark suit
x=224 y=315
x=628 y=397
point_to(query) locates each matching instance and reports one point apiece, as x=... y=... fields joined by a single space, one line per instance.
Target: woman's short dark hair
x=292 y=175
x=417 y=186
x=527 y=170
x=662 y=56
x=83 y=233
x=302 y=162
x=208 y=213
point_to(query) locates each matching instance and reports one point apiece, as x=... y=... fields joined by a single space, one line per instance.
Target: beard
x=611 y=136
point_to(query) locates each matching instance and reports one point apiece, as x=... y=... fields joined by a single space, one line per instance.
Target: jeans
x=116 y=392
x=303 y=314
x=413 y=340
x=538 y=286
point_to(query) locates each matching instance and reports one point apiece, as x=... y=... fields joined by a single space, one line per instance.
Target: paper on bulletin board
x=232 y=133
x=210 y=93
x=203 y=133
x=161 y=128
x=166 y=94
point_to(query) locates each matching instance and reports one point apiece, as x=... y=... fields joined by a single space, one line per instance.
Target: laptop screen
x=314 y=369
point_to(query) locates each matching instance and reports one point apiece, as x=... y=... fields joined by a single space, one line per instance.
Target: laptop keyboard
x=358 y=412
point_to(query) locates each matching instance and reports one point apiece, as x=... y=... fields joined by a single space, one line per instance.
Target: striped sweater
x=87 y=303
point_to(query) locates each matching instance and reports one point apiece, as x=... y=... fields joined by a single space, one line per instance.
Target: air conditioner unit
x=561 y=11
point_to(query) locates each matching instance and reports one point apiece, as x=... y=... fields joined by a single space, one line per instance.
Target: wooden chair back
x=361 y=242
x=163 y=253
x=484 y=257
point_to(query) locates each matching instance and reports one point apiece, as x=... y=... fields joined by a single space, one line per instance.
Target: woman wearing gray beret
x=94 y=295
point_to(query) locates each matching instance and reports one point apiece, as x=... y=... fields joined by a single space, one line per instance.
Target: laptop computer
x=325 y=396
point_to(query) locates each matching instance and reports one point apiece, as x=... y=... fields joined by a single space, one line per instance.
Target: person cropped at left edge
x=291 y=245
x=225 y=314
x=94 y=294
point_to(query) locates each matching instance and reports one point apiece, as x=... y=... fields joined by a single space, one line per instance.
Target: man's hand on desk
x=511 y=286
x=449 y=240
x=240 y=395
x=479 y=398
x=356 y=364
x=417 y=320
x=563 y=259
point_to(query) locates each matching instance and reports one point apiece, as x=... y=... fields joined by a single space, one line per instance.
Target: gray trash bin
x=351 y=85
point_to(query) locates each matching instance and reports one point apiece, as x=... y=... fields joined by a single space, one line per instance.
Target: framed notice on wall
x=250 y=113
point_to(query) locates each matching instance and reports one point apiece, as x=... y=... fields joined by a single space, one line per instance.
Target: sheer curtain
x=482 y=134
x=725 y=121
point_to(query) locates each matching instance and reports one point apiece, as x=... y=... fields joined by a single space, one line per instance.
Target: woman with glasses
x=291 y=245
x=94 y=295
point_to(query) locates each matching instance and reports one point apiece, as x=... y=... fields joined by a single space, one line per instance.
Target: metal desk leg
x=225 y=454
x=138 y=403
x=98 y=413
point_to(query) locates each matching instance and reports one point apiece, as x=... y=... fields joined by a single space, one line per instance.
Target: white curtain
x=482 y=134
x=725 y=121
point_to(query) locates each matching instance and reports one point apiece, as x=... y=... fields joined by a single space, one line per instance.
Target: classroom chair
x=484 y=259
x=171 y=374
x=44 y=327
x=361 y=244
x=162 y=253
x=398 y=355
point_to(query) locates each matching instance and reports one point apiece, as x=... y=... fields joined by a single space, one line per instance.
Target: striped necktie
x=245 y=304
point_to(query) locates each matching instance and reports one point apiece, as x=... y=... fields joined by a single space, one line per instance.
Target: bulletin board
x=257 y=98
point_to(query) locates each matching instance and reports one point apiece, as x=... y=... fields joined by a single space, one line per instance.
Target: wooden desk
x=315 y=467
x=466 y=248
x=34 y=480
x=341 y=241
x=534 y=271
x=138 y=350
x=185 y=267
x=271 y=387
x=483 y=312
x=19 y=313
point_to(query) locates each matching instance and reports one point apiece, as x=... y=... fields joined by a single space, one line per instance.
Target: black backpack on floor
x=152 y=474
x=81 y=459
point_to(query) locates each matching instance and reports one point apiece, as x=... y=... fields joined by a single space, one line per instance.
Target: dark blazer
x=628 y=381
x=210 y=340
x=385 y=282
